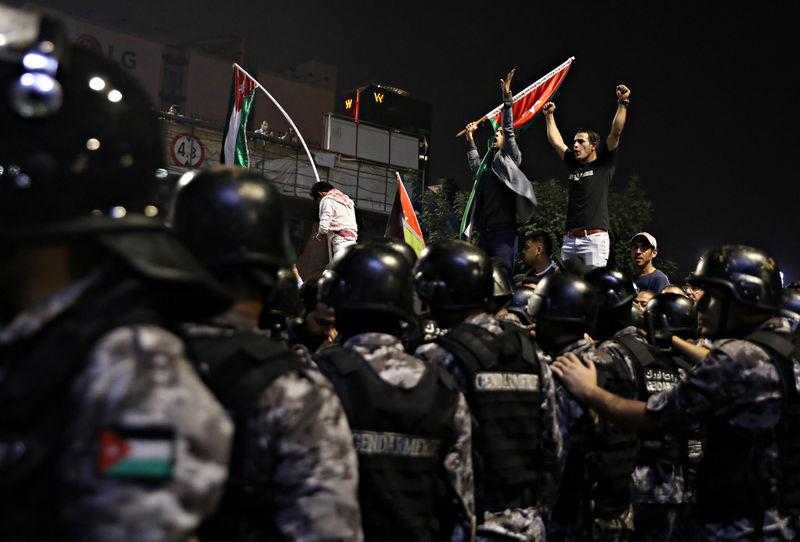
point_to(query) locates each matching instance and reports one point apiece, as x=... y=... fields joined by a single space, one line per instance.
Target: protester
x=591 y=172
x=337 y=216
x=644 y=249
x=537 y=254
x=504 y=195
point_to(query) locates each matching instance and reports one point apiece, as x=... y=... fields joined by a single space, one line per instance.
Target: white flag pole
x=286 y=115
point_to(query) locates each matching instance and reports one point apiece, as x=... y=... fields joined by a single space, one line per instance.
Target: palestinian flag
x=403 y=222
x=530 y=101
x=234 y=142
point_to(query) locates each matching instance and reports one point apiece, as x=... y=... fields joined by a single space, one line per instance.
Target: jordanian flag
x=531 y=100
x=140 y=456
x=234 y=143
x=403 y=224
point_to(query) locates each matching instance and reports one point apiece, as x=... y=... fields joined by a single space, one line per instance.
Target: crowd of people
x=163 y=378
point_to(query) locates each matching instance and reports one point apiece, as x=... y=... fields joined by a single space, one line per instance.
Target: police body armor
x=35 y=406
x=597 y=475
x=401 y=437
x=504 y=394
x=731 y=483
x=237 y=368
x=657 y=371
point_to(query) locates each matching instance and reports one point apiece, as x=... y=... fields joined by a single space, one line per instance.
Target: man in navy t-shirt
x=643 y=251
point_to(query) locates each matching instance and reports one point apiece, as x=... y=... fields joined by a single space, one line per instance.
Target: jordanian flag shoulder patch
x=145 y=453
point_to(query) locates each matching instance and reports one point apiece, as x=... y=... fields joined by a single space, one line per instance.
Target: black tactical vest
x=504 y=392
x=657 y=371
x=238 y=367
x=36 y=377
x=613 y=449
x=731 y=481
x=401 y=437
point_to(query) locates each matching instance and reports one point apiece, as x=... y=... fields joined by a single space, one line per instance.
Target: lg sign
x=127 y=59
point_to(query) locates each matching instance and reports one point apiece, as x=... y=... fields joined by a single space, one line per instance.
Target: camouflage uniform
x=659 y=494
x=144 y=445
x=296 y=448
x=581 y=430
x=522 y=523
x=385 y=355
x=739 y=385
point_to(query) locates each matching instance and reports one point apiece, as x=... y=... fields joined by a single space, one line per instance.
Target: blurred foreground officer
x=410 y=425
x=744 y=392
x=293 y=468
x=106 y=433
x=509 y=390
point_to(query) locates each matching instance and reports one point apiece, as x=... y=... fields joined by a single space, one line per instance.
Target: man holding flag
x=503 y=194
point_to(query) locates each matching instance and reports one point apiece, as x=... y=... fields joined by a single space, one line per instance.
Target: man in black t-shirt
x=591 y=169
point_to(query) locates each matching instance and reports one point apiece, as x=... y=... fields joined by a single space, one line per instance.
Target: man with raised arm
x=591 y=169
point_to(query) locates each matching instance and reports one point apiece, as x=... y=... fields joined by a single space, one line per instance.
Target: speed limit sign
x=187 y=150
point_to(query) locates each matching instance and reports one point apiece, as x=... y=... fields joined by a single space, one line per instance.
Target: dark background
x=711 y=130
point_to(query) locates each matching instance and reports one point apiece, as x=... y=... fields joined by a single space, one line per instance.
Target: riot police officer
x=411 y=426
x=510 y=391
x=293 y=469
x=594 y=501
x=744 y=393
x=106 y=433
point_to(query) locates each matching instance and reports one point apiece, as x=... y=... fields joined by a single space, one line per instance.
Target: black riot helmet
x=398 y=245
x=791 y=306
x=567 y=298
x=371 y=277
x=521 y=304
x=232 y=217
x=81 y=159
x=748 y=274
x=614 y=287
x=453 y=275
x=668 y=315
x=82 y=151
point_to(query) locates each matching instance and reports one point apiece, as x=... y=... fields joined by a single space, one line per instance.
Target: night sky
x=711 y=130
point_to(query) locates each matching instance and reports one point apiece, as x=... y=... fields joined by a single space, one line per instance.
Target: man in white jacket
x=337 y=216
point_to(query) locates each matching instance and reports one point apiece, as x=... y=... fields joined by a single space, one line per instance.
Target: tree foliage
x=630 y=211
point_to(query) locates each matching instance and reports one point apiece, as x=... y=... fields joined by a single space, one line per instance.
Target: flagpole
x=480 y=120
x=524 y=92
x=286 y=115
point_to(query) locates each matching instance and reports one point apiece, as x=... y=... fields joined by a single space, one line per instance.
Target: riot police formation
x=148 y=391
x=509 y=389
x=411 y=426
x=659 y=478
x=106 y=433
x=744 y=395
